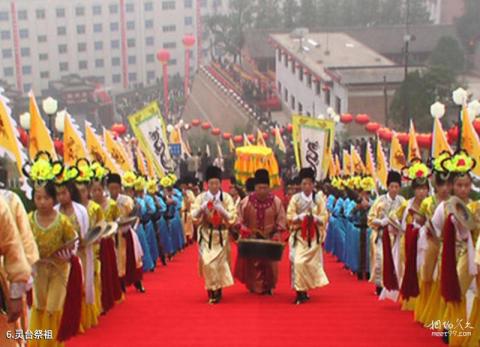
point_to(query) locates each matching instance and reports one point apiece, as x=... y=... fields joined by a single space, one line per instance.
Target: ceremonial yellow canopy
x=251 y=158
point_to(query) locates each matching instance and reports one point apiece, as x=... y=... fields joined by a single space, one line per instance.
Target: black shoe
x=163 y=260
x=378 y=290
x=218 y=295
x=268 y=292
x=301 y=298
x=139 y=286
x=122 y=285
x=445 y=338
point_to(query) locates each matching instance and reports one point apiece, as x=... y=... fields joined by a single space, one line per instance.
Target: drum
x=260 y=249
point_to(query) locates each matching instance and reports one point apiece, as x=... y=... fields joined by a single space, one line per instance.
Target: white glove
x=318 y=220
x=219 y=207
x=384 y=222
x=300 y=217
x=64 y=254
x=17 y=289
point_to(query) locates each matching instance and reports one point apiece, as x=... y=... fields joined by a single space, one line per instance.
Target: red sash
x=449 y=284
x=390 y=281
x=409 y=288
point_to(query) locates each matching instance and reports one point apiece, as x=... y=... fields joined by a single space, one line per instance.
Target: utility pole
x=407 y=38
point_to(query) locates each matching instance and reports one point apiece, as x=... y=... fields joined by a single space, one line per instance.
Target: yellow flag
x=231 y=146
x=73 y=145
x=117 y=152
x=96 y=150
x=397 y=157
x=8 y=138
x=279 y=140
x=260 y=139
x=150 y=168
x=439 y=139
x=382 y=166
x=331 y=166
x=358 y=166
x=470 y=140
x=246 y=142
x=140 y=162
x=369 y=162
x=338 y=167
x=125 y=145
x=40 y=139
x=347 y=163
x=413 y=149
x=219 y=150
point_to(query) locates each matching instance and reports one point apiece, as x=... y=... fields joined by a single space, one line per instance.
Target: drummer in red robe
x=261 y=216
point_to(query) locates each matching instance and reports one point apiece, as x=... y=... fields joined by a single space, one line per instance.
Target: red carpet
x=174 y=312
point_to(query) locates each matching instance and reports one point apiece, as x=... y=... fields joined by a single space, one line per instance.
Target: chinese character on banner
x=175 y=149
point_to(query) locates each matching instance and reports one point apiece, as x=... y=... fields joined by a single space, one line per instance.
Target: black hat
x=262 y=177
x=394 y=177
x=114 y=178
x=307 y=172
x=250 y=184
x=213 y=172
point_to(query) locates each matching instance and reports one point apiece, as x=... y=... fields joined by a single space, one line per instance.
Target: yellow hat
x=166 y=182
x=129 y=179
x=140 y=183
x=152 y=186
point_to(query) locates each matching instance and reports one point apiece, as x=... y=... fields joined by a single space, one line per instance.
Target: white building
x=42 y=40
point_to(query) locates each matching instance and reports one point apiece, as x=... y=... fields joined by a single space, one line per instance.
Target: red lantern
x=452 y=134
x=289 y=127
x=205 y=125
x=265 y=136
x=372 y=127
x=385 y=134
x=238 y=139
x=476 y=125
x=23 y=136
x=403 y=138
x=196 y=122
x=362 y=118
x=119 y=128
x=58 y=144
x=188 y=41
x=163 y=56
x=216 y=131
x=273 y=131
x=424 y=140
x=227 y=136
x=346 y=118
x=251 y=138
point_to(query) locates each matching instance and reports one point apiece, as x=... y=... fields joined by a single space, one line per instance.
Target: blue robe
x=142 y=235
x=150 y=229
x=162 y=225
x=331 y=222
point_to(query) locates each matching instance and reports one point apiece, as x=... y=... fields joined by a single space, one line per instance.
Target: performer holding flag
x=307 y=217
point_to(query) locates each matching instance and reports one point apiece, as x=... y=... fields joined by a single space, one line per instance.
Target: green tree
x=308 y=14
x=267 y=14
x=290 y=14
x=468 y=25
x=449 y=54
x=418 y=13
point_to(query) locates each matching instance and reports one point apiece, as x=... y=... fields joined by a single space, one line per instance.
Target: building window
x=285 y=95
x=279 y=56
x=98 y=45
x=149 y=41
x=286 y=60
x=149 y=24
x=168 y=5
x=292 y=101
x=82 y=64
x=300 y=108
x=114 y=26
x=27 y=87
x=23 y=33
x=170 y=45
x=115 y=61
x=80 y=11
x=81 y=29
x=169 y=28
x=61 y=31
x=338 y=105
x=4 y=16
x=82 y=47
x=113 y=8
x=294 y=67
x=8 y=71
x=130 y=7
x=5 y=35
x=25 y=51
x=117 y=78
x=189 y=20
x=43 y=56
x=62 y=48
x=279 y=87
x=115 y=44
x=99 y=63
x=301 y=74
x=6 y=53
x=40 y=13
x=172 y=62
x=327 y=96
x=97 y=10
x=203 y=3
x=132 y=76
x=188 y=3
x=60 y=12
x=131 y=25
x=317 y=87
x=150 y=75
x=148 y=6
x=26 y=69
x=131 y=43
x=44 y=74
x=64 y=66
x=22 y=15
x=309 y=80
x=132 y=59
x=150 y=58
x=42 y=38
x=97 y=28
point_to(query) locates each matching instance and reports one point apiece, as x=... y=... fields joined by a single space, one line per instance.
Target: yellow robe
x=125 y=205
x=188 y=199
x=213 y=261
x=306 y=261
x=50 y=283
x=14 y=265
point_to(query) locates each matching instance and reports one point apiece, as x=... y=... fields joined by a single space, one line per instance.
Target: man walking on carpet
x=261 y=216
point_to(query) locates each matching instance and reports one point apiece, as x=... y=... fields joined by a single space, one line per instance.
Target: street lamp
x=460 y=97
x=437 y=110
x=25 y=121
x=50 y=106
x=60 y=121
